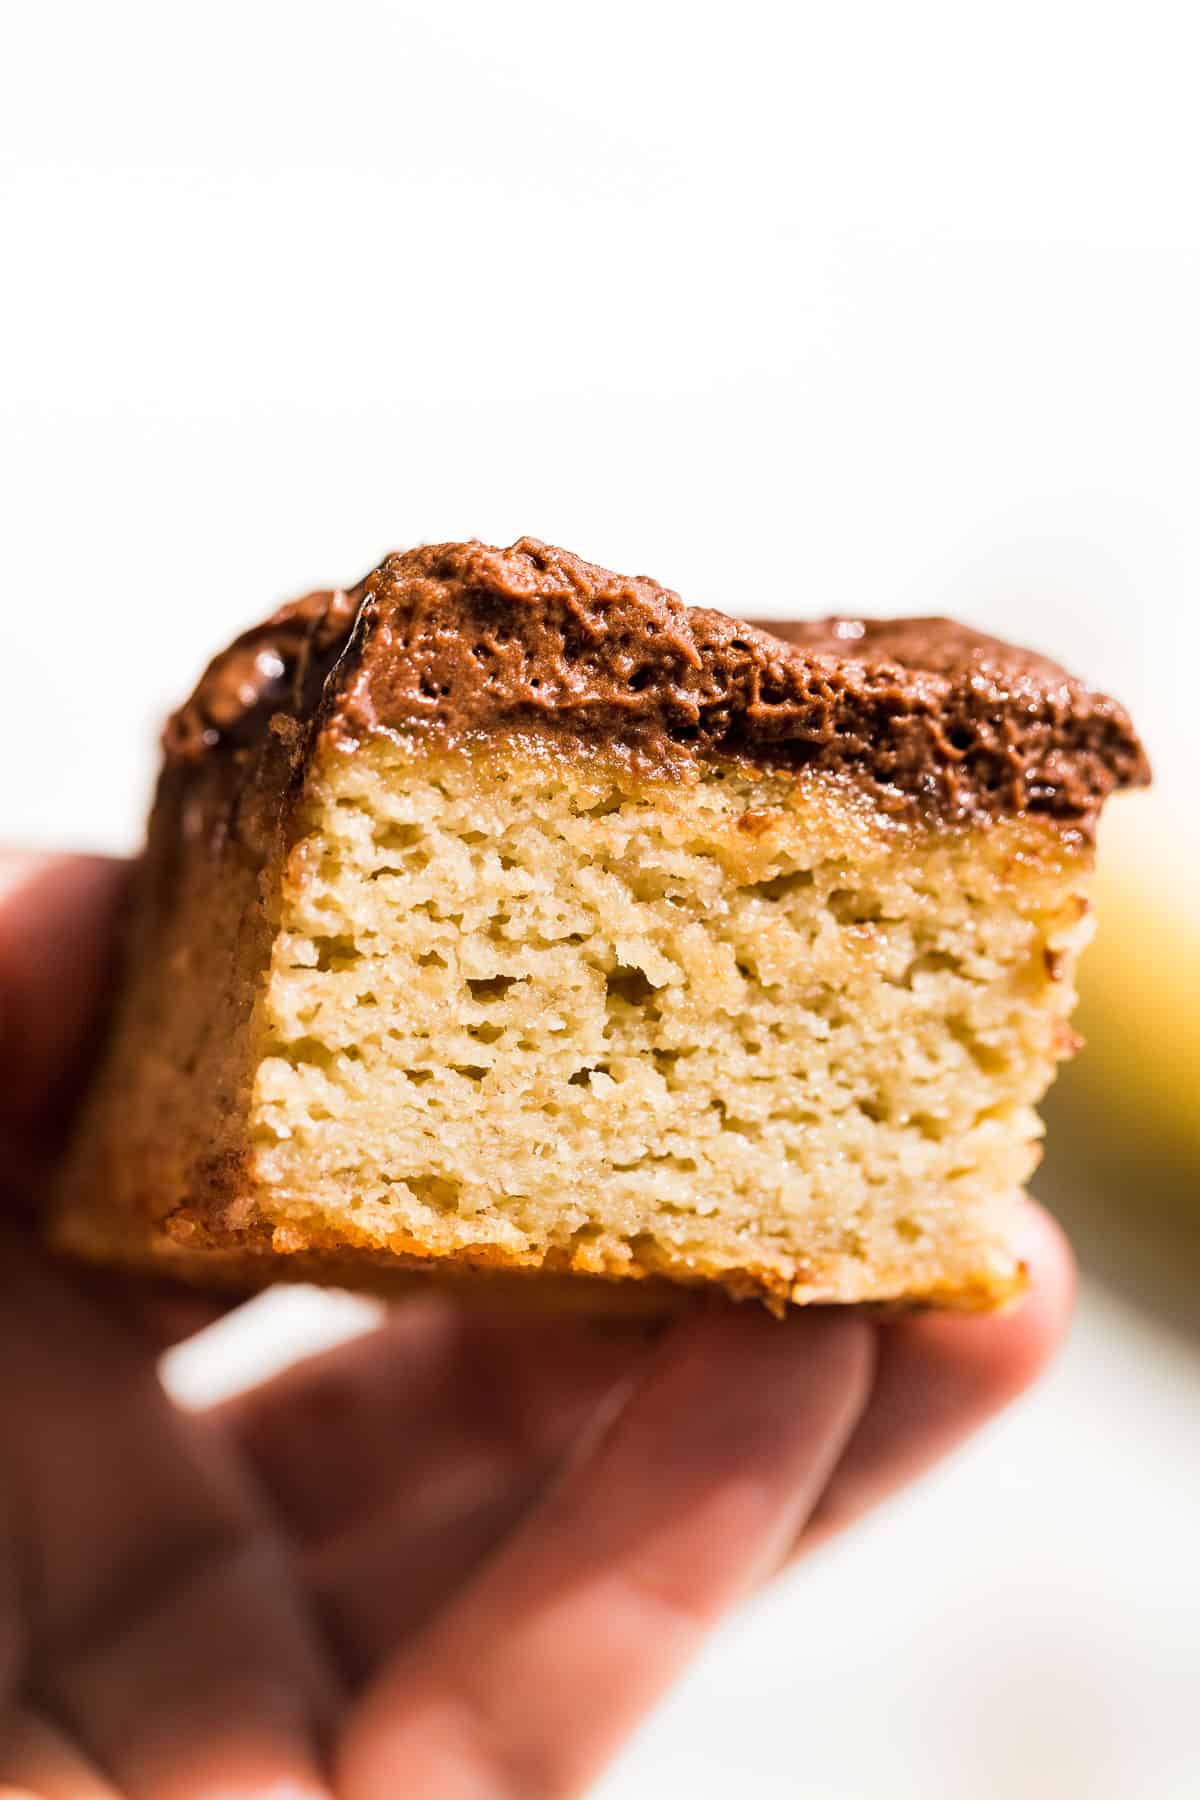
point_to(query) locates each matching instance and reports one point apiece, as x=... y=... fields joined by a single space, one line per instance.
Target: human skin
x=460 y=1556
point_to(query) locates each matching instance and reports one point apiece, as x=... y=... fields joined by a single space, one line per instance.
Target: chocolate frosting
x=278 y=666
x=464 y=638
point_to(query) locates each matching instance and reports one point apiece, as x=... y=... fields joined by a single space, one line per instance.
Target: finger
x=59 y=924
x=164 y=1630
x=940 y=1377
x=162 y=1312
x=329 y=1435
x=401 y=1458
x=432 y=1373
x=530 y=1679
x=37 y=1763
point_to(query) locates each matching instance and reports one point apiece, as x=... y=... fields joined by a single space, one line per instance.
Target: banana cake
x=506 y=920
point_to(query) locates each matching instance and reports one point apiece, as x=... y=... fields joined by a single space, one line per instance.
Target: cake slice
x=506 y=919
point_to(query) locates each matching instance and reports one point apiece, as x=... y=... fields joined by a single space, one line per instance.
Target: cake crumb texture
x=528 y=1010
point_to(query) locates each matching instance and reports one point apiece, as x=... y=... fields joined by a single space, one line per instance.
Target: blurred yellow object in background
x=1139 y=1010
x=1123 y=1154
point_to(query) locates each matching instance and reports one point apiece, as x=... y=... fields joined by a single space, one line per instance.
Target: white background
x=812 y=307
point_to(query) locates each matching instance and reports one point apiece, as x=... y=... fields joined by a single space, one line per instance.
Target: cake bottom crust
x=487 y=1277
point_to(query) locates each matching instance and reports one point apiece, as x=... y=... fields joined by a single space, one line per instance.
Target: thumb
x=59 y=926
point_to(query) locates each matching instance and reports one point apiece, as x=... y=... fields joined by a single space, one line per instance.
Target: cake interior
x=528 y=1007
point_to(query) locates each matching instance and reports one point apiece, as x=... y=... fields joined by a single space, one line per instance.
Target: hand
x=460 y=1556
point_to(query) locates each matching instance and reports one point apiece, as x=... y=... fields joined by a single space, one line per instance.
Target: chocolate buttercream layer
x=464 y=638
